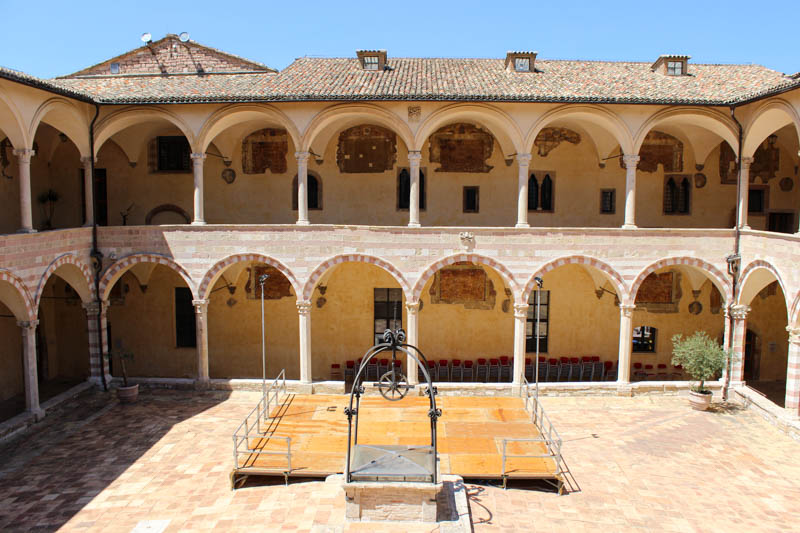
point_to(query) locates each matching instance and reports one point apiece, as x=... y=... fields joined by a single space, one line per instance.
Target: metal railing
x=251 y=427
x=549 y=436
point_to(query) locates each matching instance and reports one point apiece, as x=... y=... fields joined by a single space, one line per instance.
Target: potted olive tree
x=703 y=359
x=126 y=393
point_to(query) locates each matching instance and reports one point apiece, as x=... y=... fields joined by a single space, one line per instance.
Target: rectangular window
x=185 y=325
x=757 y=200
x=522 y=64
x=781 y=222
x=173 y=154
x=530 y=326
x=674 y=68
x=608 y=201
x=471 y=199
x=644 y=339
x=387 y=311
x=370 y=62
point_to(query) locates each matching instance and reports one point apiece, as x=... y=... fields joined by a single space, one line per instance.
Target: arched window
x=314 y=190
x=683 y=196
x=547 y=193
x=404 y=189
x=533 y=193
x=670 y=197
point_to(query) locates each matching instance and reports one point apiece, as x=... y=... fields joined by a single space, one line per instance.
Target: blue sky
x=48 y=39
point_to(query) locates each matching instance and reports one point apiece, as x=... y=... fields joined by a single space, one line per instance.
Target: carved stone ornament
x=786 y=184
x=549 y=139
x=414 y=113
x=461 y=148
x=366 y=149
x=700 y=180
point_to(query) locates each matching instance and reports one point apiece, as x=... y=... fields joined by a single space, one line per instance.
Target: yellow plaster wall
x=767 y=319
x=146 y=326
x=11 y=370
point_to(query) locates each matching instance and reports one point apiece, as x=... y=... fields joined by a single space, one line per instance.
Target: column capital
x=747 y=161
x=414 y=156
x=413 y=307
x=739 y=312
x=200 y=306
x=94 y=308
x=521 y=310
x=304 y=307
x=28 y=324
x=24 y=154
x=302 y=157
x=197 y=157
x=86 y=162
x=631 y=160
x=794 y=335
x=627 y=310
x=524 y=159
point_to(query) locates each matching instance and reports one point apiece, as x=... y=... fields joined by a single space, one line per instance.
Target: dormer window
x=674 y=68
x=520 y=61
x=671 y=65
x=114 y=68
x=522 y=64
x=372 y=59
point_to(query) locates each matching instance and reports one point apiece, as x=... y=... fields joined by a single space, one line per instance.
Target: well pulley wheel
x=393 y=386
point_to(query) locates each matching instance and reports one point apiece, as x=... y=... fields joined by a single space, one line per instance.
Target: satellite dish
x=146 y=37
x=184 y=36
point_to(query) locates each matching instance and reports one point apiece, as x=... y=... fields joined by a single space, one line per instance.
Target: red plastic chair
x=564 y=360
x=574 y=360
x=542 y=359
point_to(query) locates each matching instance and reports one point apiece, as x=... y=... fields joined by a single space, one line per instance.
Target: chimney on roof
x=671 y=65
x=372 y=59
x=520 y=61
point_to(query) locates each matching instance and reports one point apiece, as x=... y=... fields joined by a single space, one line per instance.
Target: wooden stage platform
x=470 y=436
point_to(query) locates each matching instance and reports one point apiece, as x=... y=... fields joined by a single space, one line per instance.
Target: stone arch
x=308 y=289
x=11 y=123
x=66 y=118
x=115 y=271
x=478 y=259
x=339 y=117
x=166 y=208
x=72 y=270
x=759 y=274
x=16 y=297
x=596 y=115
x=768 y=118
x=794 y=312
x=234 y=114
x=713 y=273
x=119 y=120
x=499 y=123
x=213 y=274
x=612 y=275
x=713 y=121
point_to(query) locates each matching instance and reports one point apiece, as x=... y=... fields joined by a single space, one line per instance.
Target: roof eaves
x=38 y=83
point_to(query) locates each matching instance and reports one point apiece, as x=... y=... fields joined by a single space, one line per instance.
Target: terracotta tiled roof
x=343 y=79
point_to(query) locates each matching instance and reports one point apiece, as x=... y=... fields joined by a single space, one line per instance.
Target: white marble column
x=29 y=368
x=98 y=342
x=88 y=192
x=25 y=206
x=793 y=373
x=201 y=332
x=412 y=337
x=523 y=162
x=414 y=159
x=304 y=313
x=739 y=333
x=744 y=191
x=197 y=169
x=302 y=188
x=520 y=322
x=631 y=162
x=625 y=343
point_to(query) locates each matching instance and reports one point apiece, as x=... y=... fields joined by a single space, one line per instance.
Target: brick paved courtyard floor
x=647 y=463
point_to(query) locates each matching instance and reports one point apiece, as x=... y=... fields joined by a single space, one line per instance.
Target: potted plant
x=126 y=393
x=702 y=358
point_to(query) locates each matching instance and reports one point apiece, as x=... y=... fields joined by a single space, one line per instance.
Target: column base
x=413 y=225
x=630 y=226
x=522 y=225
x=26 y=230
x=37 y=413
x=624 y=388
x=98 y=382
x=303 y=223
x=745 y=227
x=87 y=225
x=202 y=384
x=198 y=222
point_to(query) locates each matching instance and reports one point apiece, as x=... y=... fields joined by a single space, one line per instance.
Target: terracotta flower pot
x=700 y=400
x=128 y=394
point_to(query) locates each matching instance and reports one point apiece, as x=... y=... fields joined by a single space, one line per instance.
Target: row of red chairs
x=661 y=372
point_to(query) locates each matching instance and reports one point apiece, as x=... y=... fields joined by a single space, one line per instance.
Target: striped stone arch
x=115 y=271
x=717 y=277
x=614 y=277
x=86 y=295
x=308 y=290
x=752 y=267
x=216 y=271
x=478 y=259
x=25 y=308
x=794 y=313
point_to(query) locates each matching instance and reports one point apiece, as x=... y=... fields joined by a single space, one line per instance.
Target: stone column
x=631 y=162
x=520 y=322
x=412 y=337
x=726 y=339
x=29 y=366
x=793 y=373
x=625 y=343
x=25 y=206
x=201 y=332
x=88 y=192
x=523 y=161
x=739 y=333
x=98 y=342
x=414 y=159
x=304 y=312
x=744 y=191
x=302 y=188
x=197 y=169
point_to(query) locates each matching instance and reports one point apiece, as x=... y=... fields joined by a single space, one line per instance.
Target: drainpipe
x=734 y=262
x=96 y=254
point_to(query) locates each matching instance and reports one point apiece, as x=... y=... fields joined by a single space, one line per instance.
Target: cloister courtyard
x=645 y=463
